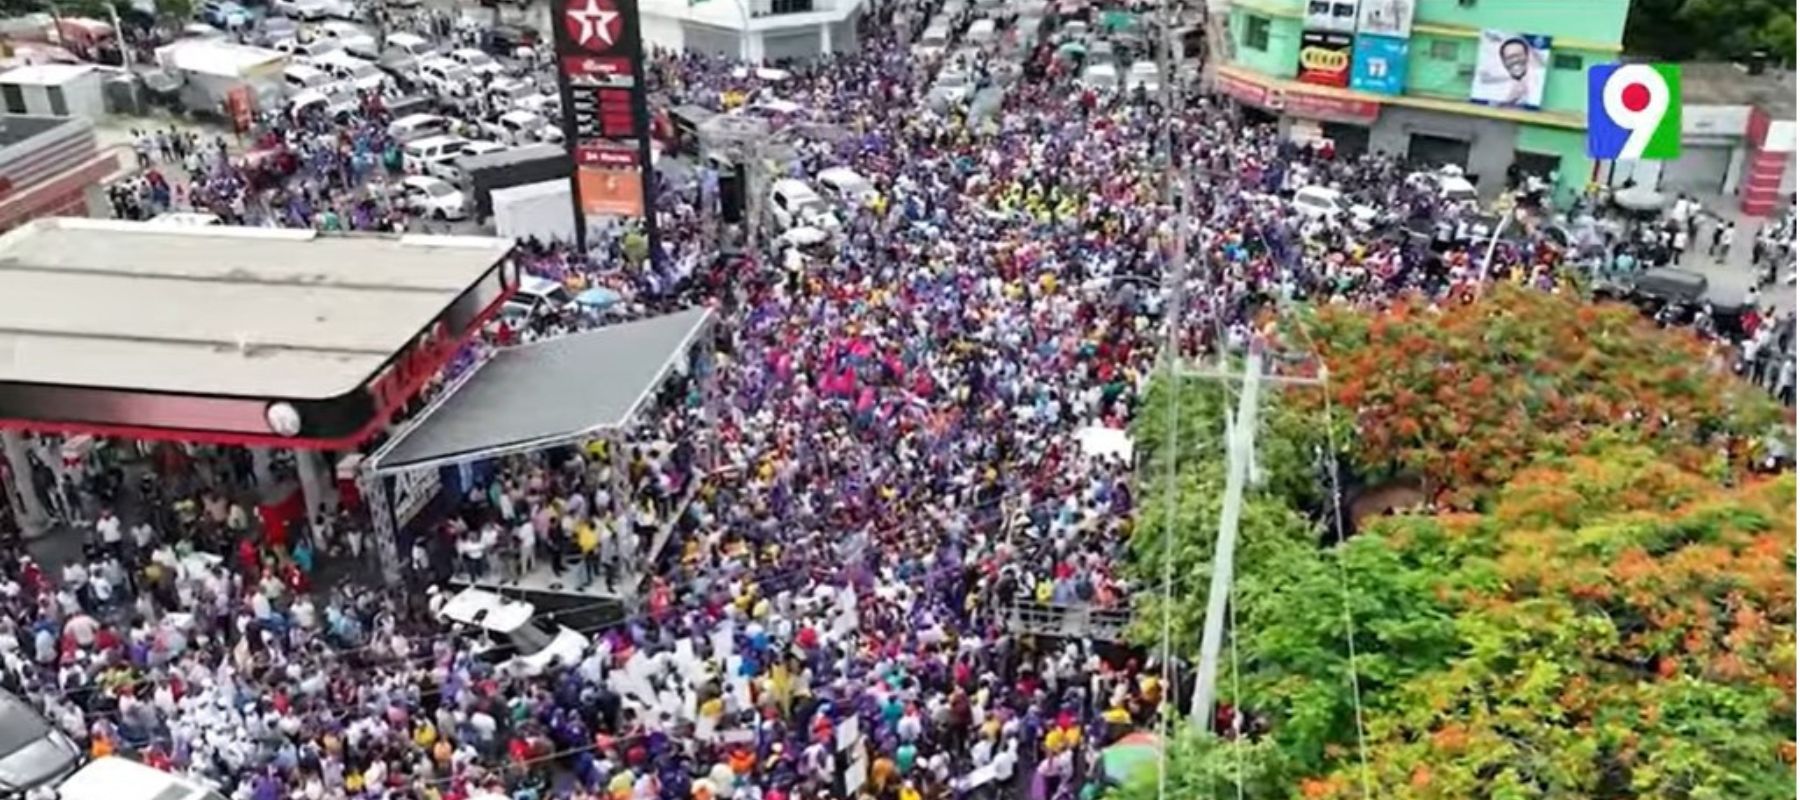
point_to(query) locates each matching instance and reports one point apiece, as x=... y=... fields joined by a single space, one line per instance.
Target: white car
x=352 y=37
x=301 y=9
x=510 y=633
x=1319 y=202
x=351 y=71
x=519 y=127
x=330 y=100
x=509 y=92
x=433 y=197
x=1144 y=75
x=445 y=76
x=346 y=9
x=535 y=296
x=933 y=42
x=1102 y=77
x=846 y=187
x=305 y=52
x=478 y=62
x=794 y=204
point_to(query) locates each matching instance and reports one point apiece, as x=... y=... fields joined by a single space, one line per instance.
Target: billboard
x=1378 y=64
x=1325 y=58
x=1510 y=69
x=1385 y=18
x=606 y=120
x=1338 y=16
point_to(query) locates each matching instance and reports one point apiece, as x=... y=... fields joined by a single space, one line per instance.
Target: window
x=58 y=106
x=1444 y=49
x=15 y=98
x=1566 y=61
x=1256 y=33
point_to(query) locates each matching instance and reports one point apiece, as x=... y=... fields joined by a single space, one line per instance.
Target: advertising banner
x=1325 y=58
x=1385 y=18
x=1379 y=64
x=1337 y=16
x=606 y=120
x=1510 y=69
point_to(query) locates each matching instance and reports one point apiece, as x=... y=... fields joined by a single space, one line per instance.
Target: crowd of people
x=891 y=463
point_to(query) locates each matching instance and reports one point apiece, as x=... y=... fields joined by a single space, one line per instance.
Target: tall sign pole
x=606 y=121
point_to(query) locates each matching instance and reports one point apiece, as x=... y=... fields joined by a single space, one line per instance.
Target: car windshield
x=19 y=726
x=1314 y=201
x=532 y=637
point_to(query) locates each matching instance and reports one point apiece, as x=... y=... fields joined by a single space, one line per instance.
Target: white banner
x=1510 y=69
x=1386 y=18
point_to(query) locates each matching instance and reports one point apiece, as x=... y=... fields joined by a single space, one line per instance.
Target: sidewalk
x=1732 y=278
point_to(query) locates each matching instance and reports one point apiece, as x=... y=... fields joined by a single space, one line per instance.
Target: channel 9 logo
x=1634 y=111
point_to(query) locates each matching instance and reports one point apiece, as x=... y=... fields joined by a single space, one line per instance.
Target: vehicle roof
x=431 y=141
x=532 y=284
x=465 y=51
x=403 y=38
x=417 y=118
x=841 y=175
x=486 y=610
x=1316 y=189
x=520 y=112
x=298 y=67
x=792 y=186
x=423 y=180
x=113 y=776
x=1103 y=69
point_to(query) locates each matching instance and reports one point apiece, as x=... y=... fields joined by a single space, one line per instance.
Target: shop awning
x=547 y=393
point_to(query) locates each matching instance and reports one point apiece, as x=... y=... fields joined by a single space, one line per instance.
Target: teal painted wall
x=1590 y=20
x=1572 y=177
x=1442 y=66
x=1281 y=58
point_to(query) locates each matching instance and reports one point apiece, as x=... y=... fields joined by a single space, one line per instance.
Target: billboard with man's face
x=1510 y=69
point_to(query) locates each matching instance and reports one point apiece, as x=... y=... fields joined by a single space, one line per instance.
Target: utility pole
x=1240 y=449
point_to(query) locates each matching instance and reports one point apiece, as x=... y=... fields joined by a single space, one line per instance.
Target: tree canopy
x=1688 y=30
x=1605 y=609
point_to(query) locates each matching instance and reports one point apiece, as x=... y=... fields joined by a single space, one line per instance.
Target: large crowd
x=898 y=463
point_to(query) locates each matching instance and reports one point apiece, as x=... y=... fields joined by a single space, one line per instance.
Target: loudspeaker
x=732 y=186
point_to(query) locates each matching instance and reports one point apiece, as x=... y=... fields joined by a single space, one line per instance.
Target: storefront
x=1306 y=115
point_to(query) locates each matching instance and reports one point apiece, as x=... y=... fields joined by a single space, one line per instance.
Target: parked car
x=518 y=128
x=418 y=126
x=225 y=15
x=1143 y=75
x=434 y=197
x=355 y=40
x=534 y=297
x=300 y=9
x=33 y=753
x=506 y=38
x=846 y=187
x=478 y=62
x=445 y=76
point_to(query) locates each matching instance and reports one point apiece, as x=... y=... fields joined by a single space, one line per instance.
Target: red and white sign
x=412 y=367
x=1253 y=93
x=594 y=25
x=590 y=67
x=606 y=154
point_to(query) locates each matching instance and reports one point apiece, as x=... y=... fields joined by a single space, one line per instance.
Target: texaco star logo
x=595 y=25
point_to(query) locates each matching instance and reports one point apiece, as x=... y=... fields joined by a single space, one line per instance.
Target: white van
x=980 y=31
x=535 y=296
x=426 y=156
x=298 y=78
x=846 y=187
x=418 y=126
x=405 y=50
x=444 y=76
x=1102 y=77
x=118 y=778
x=352 y=71
x=508 y=632
x=793 y=204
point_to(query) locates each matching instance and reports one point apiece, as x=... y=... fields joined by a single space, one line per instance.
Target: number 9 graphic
x=1636 y=99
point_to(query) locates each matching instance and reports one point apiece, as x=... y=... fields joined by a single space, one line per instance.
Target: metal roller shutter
x=1700 y=170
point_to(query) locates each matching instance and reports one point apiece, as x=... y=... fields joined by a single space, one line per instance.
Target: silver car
x=32 y=752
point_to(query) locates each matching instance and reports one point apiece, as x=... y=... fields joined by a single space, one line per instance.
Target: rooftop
x=1718 y=83
x=242 y=312
x=16 y=128
x=45 y=74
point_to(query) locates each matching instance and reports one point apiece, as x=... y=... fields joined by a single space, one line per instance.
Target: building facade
x=753 y=30
x=1482 y=84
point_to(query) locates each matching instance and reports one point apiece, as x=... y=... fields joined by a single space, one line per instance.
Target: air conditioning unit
x=1466 y=3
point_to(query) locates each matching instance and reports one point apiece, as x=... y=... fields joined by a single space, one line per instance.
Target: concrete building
x=1429 y=79
x=49 y=166
x=753 y=30
x=53 y=90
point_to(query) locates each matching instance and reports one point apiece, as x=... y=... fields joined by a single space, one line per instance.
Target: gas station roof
x=220 y=311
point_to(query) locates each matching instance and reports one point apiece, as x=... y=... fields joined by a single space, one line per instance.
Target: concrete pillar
x=28 y=509
x=314 y=489
x=824 y=38
x=260 y=460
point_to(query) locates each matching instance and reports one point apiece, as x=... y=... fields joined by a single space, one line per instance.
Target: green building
x=1483 y=84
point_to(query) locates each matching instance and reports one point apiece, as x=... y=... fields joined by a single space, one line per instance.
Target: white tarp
x=542 y=210
x=1099 y=442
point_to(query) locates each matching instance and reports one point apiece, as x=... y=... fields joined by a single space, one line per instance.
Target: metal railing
x=1073 y=620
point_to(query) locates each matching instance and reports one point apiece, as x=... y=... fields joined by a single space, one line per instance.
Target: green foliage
x=175 y=9
x=1202 y=765
x=1687 y=30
